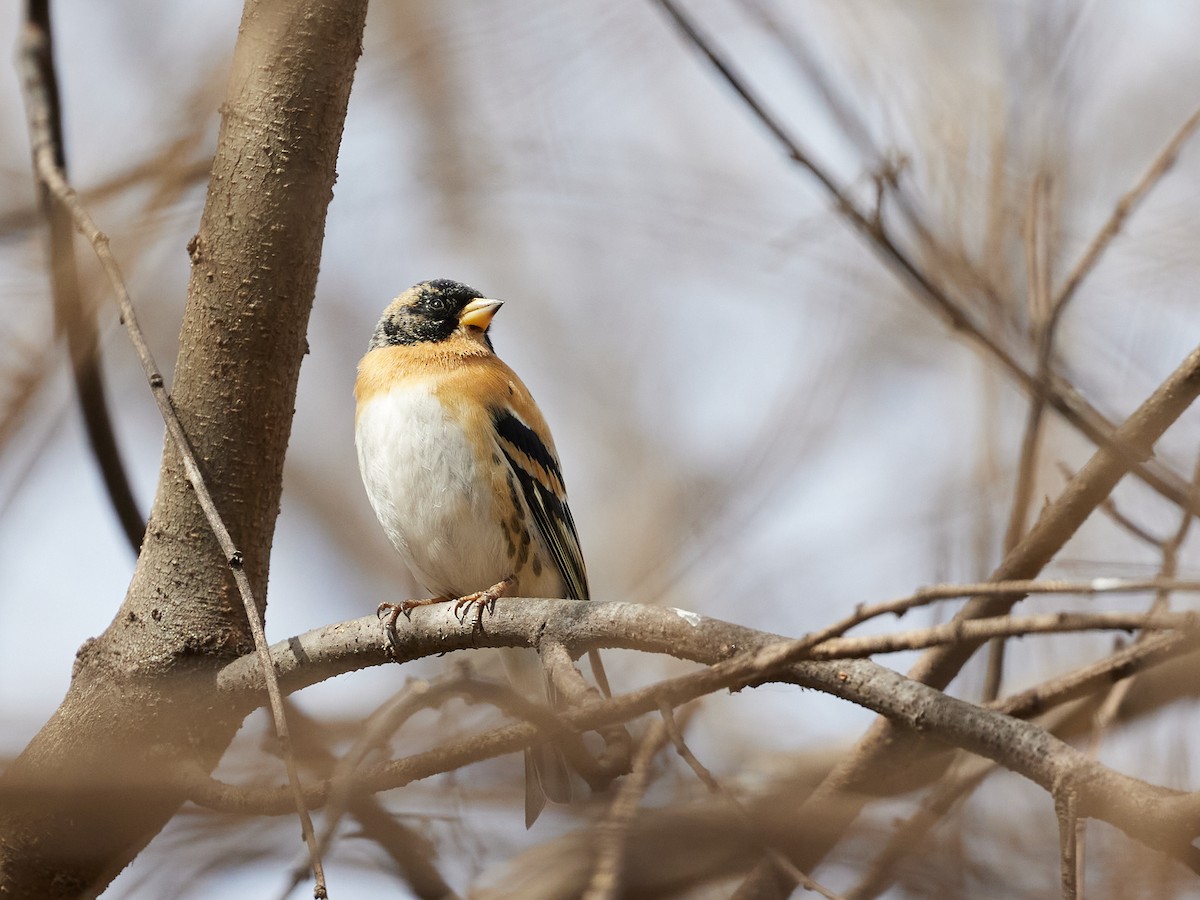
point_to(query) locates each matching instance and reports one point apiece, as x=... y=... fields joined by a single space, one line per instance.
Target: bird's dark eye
x=436 y=304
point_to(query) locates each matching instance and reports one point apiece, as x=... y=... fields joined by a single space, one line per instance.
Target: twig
x=1111 y=706
x=1019 y=586
x=387 y=719
x=1125 y=206
x=605 y=883
x=569 y=684
x=51 y=175
x=1059 y=393
x=1056 y=524
x=1044 y=330
x=573 y=689
x=79 y=324
x=1109 y=508
x=973 y=631
x=1086 y=680
x=906 y=835
x=407 y=846
x=345 y=785
x=1101 y=585
x=709 y=781
x=955 y=317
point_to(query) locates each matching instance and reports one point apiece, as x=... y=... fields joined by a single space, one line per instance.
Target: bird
x=461 y=470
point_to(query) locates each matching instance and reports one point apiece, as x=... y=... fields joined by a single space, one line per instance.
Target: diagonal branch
x=612 y=834
x=1125 y=206
x=1057 y=523
x=1057 y=391
x=411 y=851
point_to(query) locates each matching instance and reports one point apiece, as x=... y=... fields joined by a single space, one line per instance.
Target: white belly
x=422 y=478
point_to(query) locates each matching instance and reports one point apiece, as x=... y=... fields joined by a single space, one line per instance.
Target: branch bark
x=140 y=702
x=1057 y=523
x=736 y=656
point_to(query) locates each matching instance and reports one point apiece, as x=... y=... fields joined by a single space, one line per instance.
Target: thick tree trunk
x=97 y=782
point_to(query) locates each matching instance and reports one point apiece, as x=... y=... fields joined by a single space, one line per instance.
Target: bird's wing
x=537 y=472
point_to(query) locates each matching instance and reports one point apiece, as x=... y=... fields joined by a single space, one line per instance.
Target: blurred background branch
x=70 y=313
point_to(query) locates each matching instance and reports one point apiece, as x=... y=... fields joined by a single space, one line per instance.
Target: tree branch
x=1151 y=814
x=54 y=179
x=1058 y=392
x=1057 y=523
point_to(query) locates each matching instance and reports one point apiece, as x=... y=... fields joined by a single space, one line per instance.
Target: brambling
x=461 y=470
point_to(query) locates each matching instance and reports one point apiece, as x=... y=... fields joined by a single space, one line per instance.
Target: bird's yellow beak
x=478 y=313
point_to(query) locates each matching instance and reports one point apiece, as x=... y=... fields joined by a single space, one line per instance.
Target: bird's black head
x=432 y=311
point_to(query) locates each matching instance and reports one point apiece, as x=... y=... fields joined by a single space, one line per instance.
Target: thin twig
x=1100 y=585
x=1110 y=509
x=973 y=631
x=1125 y=523
x=968 y=773
x=937 y=592
x=391 y=716
x=1087 y=679
x=572 y=689
x=51 y=175
x=612 y=833
x=1059 y=393
x=411 y=850
x=710 y=781
x=1044 y=330
x=1111 y=706
x=1125 y=206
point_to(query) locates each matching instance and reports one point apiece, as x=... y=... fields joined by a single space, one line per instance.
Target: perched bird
x=461 y=470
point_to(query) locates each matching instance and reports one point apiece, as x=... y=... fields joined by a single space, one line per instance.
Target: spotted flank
x=526 y=453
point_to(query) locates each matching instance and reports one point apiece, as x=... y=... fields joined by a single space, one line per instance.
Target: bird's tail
x=546 y=774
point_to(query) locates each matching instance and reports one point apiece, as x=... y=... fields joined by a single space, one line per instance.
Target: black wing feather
x=552 y=515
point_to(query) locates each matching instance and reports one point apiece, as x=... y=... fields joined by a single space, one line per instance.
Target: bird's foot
x=394 y=611
x=482 y=600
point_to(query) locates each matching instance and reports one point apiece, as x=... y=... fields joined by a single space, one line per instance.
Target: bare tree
x=144 y=741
